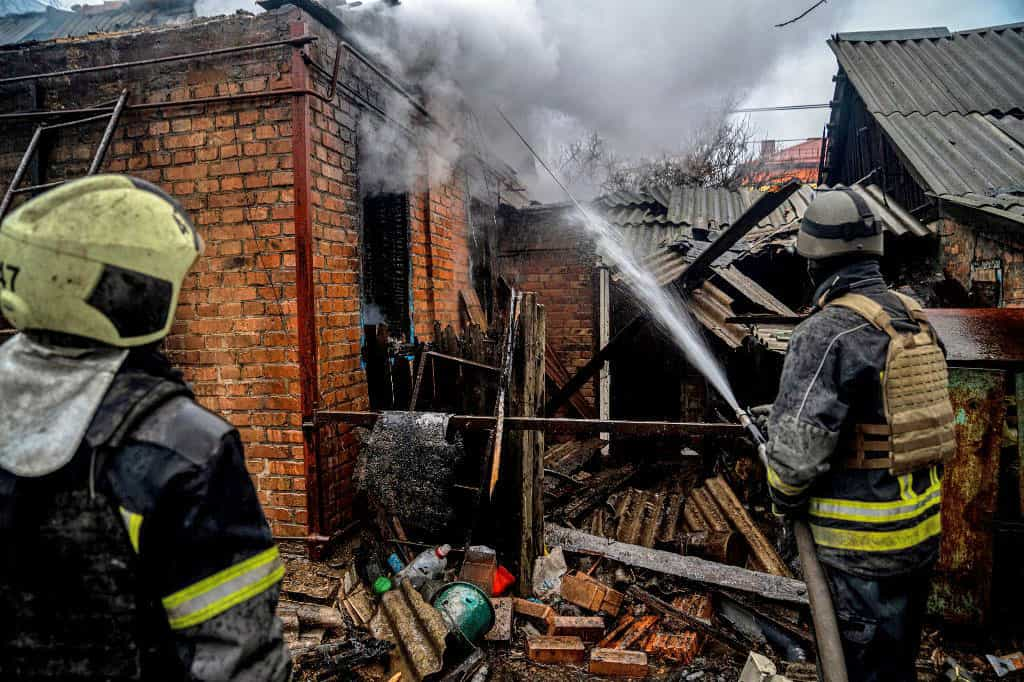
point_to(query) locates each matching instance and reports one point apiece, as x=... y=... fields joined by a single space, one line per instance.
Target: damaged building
x=934 y=119
x=423 y=363
x=259 y=139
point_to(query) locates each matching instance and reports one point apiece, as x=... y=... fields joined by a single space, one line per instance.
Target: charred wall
x=268 y=328
x=543 y=250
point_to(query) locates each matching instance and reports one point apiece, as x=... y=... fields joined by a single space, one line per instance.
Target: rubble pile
x=610 y=608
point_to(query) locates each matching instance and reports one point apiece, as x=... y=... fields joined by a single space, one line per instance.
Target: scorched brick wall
x=972 y=257
x=268 y=327
x=540 y=251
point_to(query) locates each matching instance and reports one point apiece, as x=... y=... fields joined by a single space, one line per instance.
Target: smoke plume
x=643 y=73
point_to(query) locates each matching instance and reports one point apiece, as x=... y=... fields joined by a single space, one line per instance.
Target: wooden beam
x=527 y=399
x=558 y=375
x=690 y=568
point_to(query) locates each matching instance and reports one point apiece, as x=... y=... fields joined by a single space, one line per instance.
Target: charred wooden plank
x=777 y=588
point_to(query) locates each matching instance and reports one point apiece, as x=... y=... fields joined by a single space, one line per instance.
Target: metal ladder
x=112 y=117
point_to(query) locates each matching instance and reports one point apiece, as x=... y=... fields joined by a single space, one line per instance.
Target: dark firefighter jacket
x=145 y=557
x=865 y=522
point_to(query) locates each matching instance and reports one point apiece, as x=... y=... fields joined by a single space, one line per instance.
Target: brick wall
x=540 y=251
x=241 y=336
x=440 y=253
x=973 y=258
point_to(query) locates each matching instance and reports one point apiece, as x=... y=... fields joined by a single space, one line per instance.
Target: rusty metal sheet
x=980 y=334
x=962 y=587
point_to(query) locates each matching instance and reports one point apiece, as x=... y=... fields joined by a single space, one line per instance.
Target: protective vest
x=915 y=391
x=71 y=599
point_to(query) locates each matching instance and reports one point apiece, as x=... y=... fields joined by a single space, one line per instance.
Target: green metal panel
x=962 y=587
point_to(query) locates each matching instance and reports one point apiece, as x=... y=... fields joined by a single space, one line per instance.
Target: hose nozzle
x=747 y=422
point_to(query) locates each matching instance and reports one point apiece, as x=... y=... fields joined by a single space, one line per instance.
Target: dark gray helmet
x=838 y=222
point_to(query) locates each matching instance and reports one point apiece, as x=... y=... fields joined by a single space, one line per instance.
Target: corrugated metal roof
x=935 y=71
x=970 y=335
x=952 y=104
x=14 y=28
x=674 y=212
x=712 y=307
x=972 y=155
x=669 y=249
x=56 y=24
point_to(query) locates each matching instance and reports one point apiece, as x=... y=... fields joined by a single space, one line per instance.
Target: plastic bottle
x=395 y=563
x=428 y=565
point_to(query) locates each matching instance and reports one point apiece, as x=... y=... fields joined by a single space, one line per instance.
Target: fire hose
x=826 y=626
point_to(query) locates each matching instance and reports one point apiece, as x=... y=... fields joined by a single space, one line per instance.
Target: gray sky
x=804 y=75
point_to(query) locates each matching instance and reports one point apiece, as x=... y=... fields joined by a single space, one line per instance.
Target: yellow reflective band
x=783 y=487
x=133 y=522
x=906 y=482
x=877 y=541
x=216 y=594
x=884 y=512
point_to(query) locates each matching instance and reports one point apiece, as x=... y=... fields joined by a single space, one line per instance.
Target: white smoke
x=644 y=73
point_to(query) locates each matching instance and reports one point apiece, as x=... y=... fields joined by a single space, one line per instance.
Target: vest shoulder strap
x=913 y=307
x=869 y=310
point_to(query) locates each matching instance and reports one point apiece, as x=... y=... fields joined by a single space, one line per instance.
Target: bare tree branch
x=801 y=16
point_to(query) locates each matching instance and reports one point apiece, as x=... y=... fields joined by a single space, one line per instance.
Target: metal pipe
x=309 y=387
x=297 y=41
x=108 y=134
x=239 y=97
x=552 y=424
x=20 y=171
x=36 y=188
x=78 y=121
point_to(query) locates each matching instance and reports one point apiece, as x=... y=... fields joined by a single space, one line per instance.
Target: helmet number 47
x=8 y=275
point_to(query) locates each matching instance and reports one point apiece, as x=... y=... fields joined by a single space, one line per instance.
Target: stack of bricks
x=239 y=332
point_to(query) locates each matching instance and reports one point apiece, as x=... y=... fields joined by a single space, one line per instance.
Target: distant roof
x=54 y=24
x=952 y=104
x=797 y=162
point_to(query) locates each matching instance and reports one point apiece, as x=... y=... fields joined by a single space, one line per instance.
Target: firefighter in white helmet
x=132 y=545
x=858 y=436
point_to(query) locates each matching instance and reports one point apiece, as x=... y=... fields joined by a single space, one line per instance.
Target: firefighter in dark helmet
x=132 y=545
x=858 y=435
